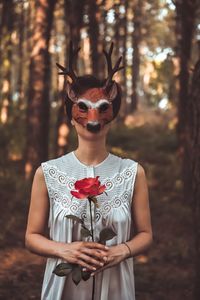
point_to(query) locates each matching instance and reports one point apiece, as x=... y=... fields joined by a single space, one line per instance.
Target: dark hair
x=85 y=83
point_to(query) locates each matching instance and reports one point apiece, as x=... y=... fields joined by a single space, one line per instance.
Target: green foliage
x=74 y=218
x=156 y=139
x=106 y=234
x=63 y=269
x=13 y=193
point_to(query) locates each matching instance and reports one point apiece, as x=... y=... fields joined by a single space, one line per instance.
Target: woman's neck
x=90 y=152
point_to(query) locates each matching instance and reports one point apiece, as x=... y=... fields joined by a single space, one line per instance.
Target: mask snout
x=93 y=127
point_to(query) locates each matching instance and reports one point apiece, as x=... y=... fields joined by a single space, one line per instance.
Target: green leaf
x=74 y=218
x=63 y=269
x=77 y=275
x=85 y=232
x=85 y=275
x=106 y=234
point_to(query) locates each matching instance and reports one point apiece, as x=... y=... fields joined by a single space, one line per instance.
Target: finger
x=96 y=246
x=99 y=270
x=90 y=260
x=85 y=265
x=101 y=255
x=107 y=265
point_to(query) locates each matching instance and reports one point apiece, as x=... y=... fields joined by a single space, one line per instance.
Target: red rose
x=88 y=188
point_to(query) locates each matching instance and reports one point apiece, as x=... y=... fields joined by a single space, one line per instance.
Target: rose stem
x=92 y=231
x=93 y=282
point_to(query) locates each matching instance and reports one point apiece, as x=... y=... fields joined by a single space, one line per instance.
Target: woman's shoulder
x=130 y=167
x=124 y=161
x=129 y=163
x=57 y=161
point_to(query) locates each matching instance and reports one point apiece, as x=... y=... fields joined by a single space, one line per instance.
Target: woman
x=91 y=105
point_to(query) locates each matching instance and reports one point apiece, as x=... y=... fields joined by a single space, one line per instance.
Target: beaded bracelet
x=128 y=248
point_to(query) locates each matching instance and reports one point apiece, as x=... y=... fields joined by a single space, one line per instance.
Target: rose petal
x=92 y=191
x=102 y=189
x=91 y=188
x=83 y=183
x=88 y=187
x=97 y=181
x=80 y=184
x=78 y=195
x=84 y=192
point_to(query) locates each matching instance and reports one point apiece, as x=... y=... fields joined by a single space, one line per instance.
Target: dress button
x=90 y=171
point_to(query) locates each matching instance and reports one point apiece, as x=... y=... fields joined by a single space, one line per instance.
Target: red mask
x=94 y=107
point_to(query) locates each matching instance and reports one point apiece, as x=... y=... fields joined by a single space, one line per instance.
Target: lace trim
x=79 y=208
x=59 y=176
x=120 y=178
x=113 y=203
x=70 y=205
x=110 y=183
x=59 y=186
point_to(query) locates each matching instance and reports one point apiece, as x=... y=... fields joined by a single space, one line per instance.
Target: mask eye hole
x=82 y=106
x=103 y=107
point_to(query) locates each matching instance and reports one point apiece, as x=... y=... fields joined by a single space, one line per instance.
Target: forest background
x=158 y=125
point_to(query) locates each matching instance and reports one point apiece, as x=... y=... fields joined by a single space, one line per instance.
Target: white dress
x=114 y=211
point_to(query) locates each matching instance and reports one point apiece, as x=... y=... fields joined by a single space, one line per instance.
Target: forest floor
x=165 y=272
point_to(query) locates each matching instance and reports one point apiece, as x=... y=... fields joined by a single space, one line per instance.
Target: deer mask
x=96 y=106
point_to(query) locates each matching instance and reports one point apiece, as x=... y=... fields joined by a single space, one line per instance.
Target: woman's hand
x=115 y=255
x=89 y=255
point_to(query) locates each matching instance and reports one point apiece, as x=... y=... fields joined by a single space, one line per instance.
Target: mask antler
x=111 y=70
x=70 y=72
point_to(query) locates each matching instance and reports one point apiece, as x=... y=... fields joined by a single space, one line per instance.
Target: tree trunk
x=21 y=23
x=136 y=40
x=6 y=58
x=94 y=35
x=120 y=43
x=63 y=127
x=194 y=149
x=38 y=100
x=74 y=18
x=186 y=11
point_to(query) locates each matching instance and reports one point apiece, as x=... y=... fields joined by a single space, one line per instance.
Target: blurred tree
x=93 y=31
x=38 y=100
x=20 y=50
x=137 y=37
x=73 y=16
x=186 y=12
x=74 y=19
x=194 y=146
x=119 y=38
x=6 y=28
x=186 y=16
x=60 y=38
x=120 y=35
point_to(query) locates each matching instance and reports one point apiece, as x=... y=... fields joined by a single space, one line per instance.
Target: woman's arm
x=142 y=222
x=87 y=254
x=141 y=216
